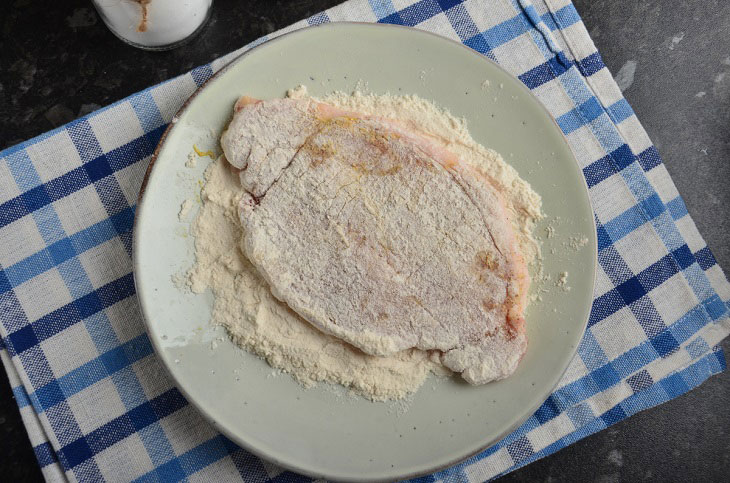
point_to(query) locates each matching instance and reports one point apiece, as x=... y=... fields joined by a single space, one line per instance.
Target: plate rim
x=156 y=344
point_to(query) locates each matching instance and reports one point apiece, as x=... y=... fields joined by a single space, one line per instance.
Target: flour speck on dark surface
x=59 y=62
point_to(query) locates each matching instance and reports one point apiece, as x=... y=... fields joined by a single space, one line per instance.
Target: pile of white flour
x=261 y=324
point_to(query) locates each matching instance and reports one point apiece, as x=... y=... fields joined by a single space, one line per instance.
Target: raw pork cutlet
x=378 y=236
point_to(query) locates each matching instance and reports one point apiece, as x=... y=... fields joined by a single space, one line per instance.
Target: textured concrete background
x=58 y=61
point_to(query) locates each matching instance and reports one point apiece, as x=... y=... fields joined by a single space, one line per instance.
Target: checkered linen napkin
x=98 y=405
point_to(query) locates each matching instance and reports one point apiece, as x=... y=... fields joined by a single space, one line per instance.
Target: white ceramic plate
x=318 y=431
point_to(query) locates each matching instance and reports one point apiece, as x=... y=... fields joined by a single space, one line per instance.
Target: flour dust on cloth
x=378 y=235
x=106 y=410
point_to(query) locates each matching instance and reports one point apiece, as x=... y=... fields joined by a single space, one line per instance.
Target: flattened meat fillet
x=379 y=236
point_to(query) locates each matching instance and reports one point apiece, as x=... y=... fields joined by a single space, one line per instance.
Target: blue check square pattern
x=96 y=402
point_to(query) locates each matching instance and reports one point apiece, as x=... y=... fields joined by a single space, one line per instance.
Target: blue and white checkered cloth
x=98 y=405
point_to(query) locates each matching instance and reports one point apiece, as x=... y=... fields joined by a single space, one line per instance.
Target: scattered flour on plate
x=576 y=242
x=562 y=281
x=185 y=208
x=180 y=280
x=259 y=323
x=192 y=160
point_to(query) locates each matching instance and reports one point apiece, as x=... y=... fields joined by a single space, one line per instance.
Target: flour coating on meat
x=376 y=235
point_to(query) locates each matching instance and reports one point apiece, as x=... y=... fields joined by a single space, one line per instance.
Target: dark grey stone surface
x=57 y=62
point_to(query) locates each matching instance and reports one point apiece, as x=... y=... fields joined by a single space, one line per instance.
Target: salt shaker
x=154 y=24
